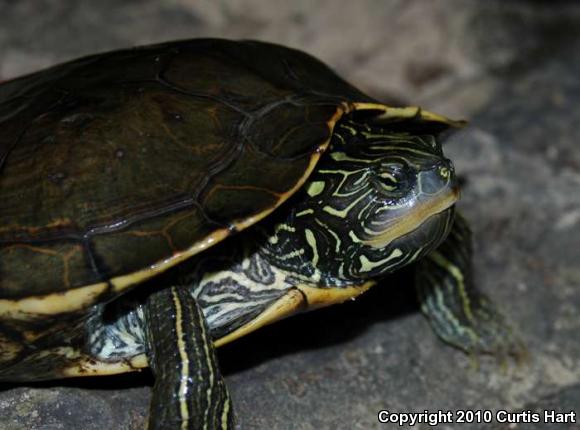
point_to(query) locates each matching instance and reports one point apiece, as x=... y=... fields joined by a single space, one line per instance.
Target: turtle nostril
x=449 y=164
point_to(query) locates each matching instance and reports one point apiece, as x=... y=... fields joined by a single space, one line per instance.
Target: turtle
x=161 y=201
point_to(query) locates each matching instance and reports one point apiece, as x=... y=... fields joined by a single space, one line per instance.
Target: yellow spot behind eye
x=315 y=188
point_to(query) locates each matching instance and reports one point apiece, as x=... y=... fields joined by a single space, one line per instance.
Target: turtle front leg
x=189 y=392
x=460 y=314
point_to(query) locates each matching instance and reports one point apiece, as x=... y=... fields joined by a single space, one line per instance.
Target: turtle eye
x=392 y=177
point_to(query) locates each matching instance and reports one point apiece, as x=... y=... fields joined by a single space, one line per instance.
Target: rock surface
x=510 y=67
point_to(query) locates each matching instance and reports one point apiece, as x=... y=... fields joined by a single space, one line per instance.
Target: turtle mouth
x=413 y=218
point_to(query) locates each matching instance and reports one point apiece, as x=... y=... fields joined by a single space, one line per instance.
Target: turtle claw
x=506 y=349
x=492 y=338
x=505 y=360
x=491 y=335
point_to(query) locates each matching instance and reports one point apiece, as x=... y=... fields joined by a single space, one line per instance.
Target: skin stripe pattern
x=189 y=389
x=184 y=362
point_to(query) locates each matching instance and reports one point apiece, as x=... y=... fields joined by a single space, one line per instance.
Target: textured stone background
x=512 y=68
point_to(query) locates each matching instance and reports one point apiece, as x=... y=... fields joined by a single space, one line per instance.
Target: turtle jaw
x=414 y=218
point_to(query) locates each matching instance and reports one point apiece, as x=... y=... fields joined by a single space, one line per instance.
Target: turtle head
x=377 y=201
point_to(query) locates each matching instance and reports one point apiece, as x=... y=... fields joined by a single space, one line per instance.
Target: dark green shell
x=115 y=163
